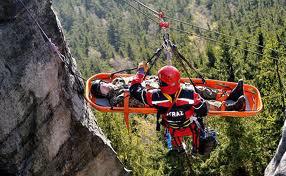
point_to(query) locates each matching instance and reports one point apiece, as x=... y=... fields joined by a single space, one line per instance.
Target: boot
x=208 y=143
x=177 y=151
x=237 y=91
x=239 y=105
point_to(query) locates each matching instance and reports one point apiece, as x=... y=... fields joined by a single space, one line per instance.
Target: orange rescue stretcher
x=253 y=98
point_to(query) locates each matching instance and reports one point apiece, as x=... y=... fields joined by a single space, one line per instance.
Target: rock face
x=46 y=127
x=277 y=166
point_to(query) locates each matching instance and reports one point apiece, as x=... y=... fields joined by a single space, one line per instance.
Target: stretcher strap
x=126 y=108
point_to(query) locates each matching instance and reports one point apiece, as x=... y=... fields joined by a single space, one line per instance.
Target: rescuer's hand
x=143 y=65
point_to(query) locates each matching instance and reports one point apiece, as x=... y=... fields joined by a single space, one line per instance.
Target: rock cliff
x=46 y=127
x=277 y=166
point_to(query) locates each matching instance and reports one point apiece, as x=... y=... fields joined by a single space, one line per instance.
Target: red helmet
x=169 y=79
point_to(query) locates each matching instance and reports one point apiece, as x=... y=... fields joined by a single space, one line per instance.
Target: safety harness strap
x=176 y=125
x=126 y=108
x=173 y=102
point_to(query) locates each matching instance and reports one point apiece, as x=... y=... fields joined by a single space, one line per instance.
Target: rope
x=189 y=76
x=188 y=63
x=54 y=47
x=46 y=38
x=157 y=55
x=128 y=69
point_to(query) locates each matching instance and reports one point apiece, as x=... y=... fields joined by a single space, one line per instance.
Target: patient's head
x=100 y=88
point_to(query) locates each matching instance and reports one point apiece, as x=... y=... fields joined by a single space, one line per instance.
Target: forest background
x=107 y=36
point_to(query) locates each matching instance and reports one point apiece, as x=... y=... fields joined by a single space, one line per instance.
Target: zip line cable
x=216 y=32
x=226 y=35
x=136 y=9
x=217 y=41
x=202 y=36
x=154 y=11
x=140 y=11
x=145 y=14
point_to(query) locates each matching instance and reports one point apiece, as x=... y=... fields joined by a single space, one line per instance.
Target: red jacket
x=187 y=106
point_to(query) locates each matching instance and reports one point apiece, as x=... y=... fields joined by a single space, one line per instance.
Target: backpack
x=208 y=142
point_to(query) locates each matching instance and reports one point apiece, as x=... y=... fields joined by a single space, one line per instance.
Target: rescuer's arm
x=137 y=90
x=200 y=106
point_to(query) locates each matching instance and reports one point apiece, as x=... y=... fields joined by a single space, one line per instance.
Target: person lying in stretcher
x=113 y=92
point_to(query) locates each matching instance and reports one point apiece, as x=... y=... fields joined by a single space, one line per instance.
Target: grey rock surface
x=277 y=166
x=46 y=127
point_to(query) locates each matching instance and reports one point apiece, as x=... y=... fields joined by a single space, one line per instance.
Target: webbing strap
x=180 y=125
x=173 y=102
x=157 y=122
x=170 y=98
x=195 y=135
x=156 y=55
x=126 y=108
